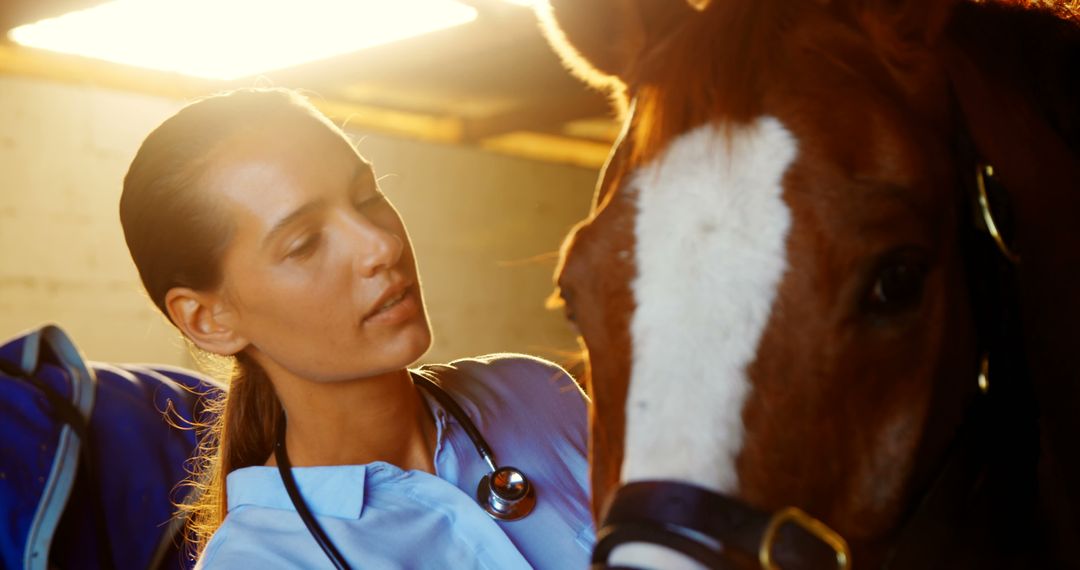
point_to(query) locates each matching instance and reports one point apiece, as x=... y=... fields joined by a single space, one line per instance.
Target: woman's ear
x=206 y=318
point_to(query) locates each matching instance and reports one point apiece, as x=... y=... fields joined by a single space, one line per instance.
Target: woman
x=262 y=234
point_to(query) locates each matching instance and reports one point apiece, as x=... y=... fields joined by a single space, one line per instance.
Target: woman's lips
x=396 y=310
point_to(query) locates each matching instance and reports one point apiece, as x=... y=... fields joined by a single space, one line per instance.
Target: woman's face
x=319 y=276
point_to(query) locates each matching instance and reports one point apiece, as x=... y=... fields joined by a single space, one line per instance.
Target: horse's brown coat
x=850 y=412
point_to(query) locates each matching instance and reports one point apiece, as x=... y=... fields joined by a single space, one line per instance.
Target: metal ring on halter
x=810 y=525
x=981 y=172
x=984 y=373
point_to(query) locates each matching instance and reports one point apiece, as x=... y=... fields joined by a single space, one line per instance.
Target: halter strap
x=722 y=532
x=713 y=529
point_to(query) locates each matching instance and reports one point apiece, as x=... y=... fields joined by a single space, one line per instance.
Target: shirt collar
x=336 y=491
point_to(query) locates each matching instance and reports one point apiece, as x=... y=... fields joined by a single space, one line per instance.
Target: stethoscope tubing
x=281 y=455
x=455 y=410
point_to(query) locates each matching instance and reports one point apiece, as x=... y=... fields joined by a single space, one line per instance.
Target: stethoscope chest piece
x=506 y=494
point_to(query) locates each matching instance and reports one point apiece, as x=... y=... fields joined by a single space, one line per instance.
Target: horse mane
x=1020 y=98
x=674 y=80
x=1061 y=9
x=1033 y=45
x=736 y=48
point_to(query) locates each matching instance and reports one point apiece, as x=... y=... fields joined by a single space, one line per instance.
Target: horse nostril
x=568 y=305
x=561 y=298
x=570 y=316
x=568 y=311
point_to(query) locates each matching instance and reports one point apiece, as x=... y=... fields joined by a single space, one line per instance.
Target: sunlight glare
x=227 y=39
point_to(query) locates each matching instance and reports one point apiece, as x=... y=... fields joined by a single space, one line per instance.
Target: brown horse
x=788 y=299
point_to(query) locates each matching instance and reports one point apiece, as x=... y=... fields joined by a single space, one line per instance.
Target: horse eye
x=897 y=286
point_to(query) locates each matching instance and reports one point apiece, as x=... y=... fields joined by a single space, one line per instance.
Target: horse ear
x=599 y=40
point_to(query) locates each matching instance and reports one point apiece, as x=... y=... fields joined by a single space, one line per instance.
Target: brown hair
x=177 y=238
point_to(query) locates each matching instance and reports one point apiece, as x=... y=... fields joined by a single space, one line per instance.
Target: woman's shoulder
x=222 y=550
x=518 y=398
x=505 y=370
x=510 y=379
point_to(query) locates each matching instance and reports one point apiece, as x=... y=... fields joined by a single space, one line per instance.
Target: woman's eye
x=897 y=287
x=304 y=246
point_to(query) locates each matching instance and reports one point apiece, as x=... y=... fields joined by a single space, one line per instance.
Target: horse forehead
x=716 y=159
x=711 y=228
x=706 y=199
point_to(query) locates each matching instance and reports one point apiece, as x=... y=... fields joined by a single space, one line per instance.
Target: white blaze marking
x=711 y=233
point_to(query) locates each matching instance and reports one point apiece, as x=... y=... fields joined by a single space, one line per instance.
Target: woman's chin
x=420 y=342
x=410 y=343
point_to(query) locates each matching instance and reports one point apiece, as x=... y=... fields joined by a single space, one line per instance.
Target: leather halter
x=715 y=530
x=722 y=532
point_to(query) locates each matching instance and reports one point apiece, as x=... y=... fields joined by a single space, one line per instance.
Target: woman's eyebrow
x=288 y=220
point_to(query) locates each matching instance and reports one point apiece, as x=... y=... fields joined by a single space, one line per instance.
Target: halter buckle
x=811 y=525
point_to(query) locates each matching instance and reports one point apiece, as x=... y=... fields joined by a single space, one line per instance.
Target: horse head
x=774 y=286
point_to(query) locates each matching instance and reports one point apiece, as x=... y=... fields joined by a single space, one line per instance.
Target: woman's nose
x=375 y=248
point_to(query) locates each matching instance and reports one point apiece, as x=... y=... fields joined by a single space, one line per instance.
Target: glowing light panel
x=227 y=39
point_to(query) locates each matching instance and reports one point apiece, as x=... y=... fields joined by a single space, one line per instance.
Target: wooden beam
x=550 y=148
x=536 y=115
x=63 y=68
x=28 y=62
x=39 y=64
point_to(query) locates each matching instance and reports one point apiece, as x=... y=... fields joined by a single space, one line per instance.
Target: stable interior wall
x=486 y=229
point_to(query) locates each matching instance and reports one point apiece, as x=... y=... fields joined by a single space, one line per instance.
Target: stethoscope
x=504 y=493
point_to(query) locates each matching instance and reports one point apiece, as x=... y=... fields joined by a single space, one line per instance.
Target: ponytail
x=242 y=434
x=251 y=419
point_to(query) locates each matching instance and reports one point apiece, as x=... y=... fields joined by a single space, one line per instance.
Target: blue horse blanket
x=92 y=457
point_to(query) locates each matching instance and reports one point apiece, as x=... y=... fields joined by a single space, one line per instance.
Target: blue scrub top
x=533 y=416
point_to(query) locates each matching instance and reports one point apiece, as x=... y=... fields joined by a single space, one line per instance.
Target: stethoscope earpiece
x=506 y=494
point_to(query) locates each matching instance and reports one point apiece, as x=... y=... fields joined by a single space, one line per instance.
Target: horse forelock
x=725 y=65
x=714 y=68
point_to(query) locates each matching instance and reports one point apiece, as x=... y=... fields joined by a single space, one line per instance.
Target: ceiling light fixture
x=229 y=39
